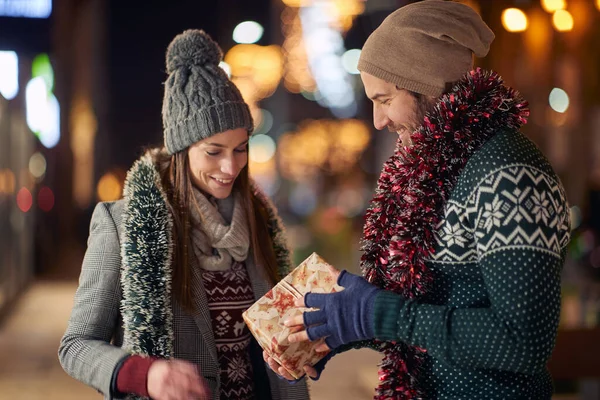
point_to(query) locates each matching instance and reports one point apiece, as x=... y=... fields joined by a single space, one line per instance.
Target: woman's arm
x=85 y=351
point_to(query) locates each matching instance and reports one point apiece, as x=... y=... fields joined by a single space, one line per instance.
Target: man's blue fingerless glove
x=342 y=317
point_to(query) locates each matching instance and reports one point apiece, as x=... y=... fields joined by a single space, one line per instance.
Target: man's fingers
x=298 y=337
x=317 y=332
x=298 y=320
x=315 y=300
x=322 y=348
x=314 y=317
x=345 y=278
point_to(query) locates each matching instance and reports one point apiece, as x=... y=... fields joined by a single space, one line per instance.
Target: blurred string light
x=551 y=6
x=9 y=74
x=248 y=32
x=36 y=99
x=7 y=181
x=261 y=148
x=317 y=145
x=296 y=3
x=303 y=199
x=343 y=12
x=256 y=71
x=582 y=243
x=298 y=236
x=340 y=13
x=598 y=4
x=324 y=47
x=350 y=202
x=474 y=4
x=556 y=119
x=41 y=66
x=298 y=77
x=24 y=199
x=265 y=122
x=26 y=9
x=330 y=221
x=265 y=175
x=26 y=179
x=562 y=21
x=83 y=125
x=225 y=67
x=514 y=20
x=37 y=165
x=576 y=217
x=350 y=61
x=42 y=108
x=559 y=100
x=45 y=199
x=312 y=96
x=109 y=187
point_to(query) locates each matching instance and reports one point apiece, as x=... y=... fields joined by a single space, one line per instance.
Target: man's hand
x=176 y=380
x=341 y=317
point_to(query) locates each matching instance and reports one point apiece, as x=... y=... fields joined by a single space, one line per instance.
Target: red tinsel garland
x=411 y=194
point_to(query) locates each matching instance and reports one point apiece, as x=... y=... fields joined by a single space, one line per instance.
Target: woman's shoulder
x=108 y=213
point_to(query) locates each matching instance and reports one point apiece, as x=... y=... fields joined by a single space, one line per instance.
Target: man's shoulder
x=508 y=150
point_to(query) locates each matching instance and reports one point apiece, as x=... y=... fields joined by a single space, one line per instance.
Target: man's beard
x=423 y=105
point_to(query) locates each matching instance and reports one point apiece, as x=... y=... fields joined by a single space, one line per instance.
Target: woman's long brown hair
x=175 y=176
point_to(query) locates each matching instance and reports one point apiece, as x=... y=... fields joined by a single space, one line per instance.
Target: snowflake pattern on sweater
x=490 y=320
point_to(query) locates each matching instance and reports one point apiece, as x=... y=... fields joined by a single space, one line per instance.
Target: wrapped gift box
x=265 y=317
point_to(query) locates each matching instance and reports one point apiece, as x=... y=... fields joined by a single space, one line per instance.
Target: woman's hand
x=279 y=370
x=176 y=380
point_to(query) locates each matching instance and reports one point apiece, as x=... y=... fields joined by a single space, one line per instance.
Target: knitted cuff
x=387 y=309
x=132 y=377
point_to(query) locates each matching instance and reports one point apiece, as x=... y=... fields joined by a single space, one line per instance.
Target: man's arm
x=520 y=259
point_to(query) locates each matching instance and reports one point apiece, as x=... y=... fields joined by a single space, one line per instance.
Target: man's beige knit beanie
x=424 y=46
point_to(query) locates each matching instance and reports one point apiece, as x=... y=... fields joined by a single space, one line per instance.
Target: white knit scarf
x=219 y=233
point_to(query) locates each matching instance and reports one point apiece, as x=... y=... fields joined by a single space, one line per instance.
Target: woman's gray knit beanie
x=200 y=100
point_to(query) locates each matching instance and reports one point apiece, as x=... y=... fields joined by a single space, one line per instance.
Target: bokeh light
x=7 y=181
x=37 y=165
x=553 y=5
x=261 y=148
x=9 y=74
x=562 y=21
x=559 y=100
x=109 y=188
x=24 y=199
x=514 y=20
x=248 y=32
x=350 y=61
x=45 y=199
